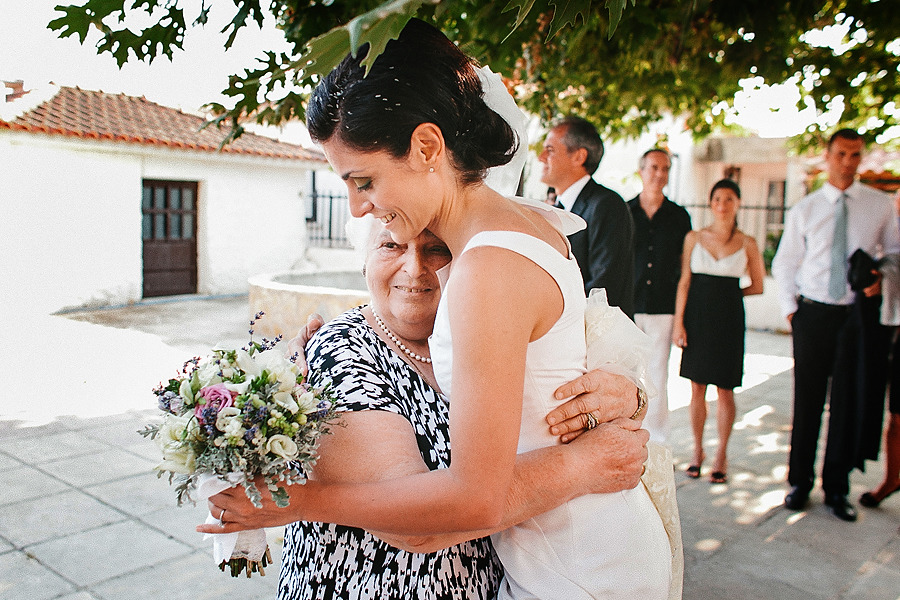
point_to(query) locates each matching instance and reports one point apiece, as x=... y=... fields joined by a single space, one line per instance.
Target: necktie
x=837 y=284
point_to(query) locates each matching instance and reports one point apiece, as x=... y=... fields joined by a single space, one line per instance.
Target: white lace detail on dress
x=616 y=345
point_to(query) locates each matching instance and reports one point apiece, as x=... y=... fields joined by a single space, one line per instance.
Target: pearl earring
x=431 y=169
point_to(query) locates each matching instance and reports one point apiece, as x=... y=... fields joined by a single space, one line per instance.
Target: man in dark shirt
x=659 y=229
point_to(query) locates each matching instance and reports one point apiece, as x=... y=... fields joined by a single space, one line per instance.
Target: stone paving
x=83 y=517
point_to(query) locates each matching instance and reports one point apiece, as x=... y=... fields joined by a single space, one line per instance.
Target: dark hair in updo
x=421 y=77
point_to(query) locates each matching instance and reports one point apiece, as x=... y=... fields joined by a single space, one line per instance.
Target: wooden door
x=169 y=231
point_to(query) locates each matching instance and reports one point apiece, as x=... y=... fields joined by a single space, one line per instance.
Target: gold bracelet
x=642 y=404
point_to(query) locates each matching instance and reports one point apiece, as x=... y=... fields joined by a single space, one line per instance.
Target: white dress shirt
x=802 y=265
x=568 y=197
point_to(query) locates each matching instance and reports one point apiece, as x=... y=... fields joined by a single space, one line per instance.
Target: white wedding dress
x=609 y=546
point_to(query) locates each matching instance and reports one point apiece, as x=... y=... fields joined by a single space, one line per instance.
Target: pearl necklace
x=397 y=341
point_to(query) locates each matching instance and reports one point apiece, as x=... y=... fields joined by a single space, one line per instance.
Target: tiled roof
x=88 y=114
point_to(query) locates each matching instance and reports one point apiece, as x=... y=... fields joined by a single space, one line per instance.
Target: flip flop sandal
x=718 y=477
x=693 y=471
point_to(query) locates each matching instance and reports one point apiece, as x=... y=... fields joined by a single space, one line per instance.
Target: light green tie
x=837 y=285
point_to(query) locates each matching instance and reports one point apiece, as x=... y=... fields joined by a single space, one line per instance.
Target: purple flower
x=250 y=434
x=170 y=402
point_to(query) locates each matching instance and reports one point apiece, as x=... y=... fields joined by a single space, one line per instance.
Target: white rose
x=178 y=453
x=282 y=446
x=284 y=371
x=248 y=364
x=286 y=400
x=225 y=415
x=306 y=400
x=208 y=373
x=185 y=391
x=237 y=388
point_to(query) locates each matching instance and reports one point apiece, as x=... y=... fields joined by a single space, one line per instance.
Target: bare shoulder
x=475 y=272
x=749 y=241
x=692 y=237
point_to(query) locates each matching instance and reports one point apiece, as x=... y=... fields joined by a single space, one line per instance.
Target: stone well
x=289 y=298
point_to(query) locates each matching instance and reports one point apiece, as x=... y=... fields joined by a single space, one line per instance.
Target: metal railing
x=325 y=219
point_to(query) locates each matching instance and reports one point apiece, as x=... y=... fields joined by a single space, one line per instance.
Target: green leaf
x=380 y=33
x=524 y=7
x=246 y=9
x=376 y=27
x=615 y=7
x=280 y=496
x=147 y=6
x=566 y=13
x=668 y=57
x=325 y=52
x=203 y=17
x=162 y=37
x=150 y=431
x=78 y=19
x=159 y=39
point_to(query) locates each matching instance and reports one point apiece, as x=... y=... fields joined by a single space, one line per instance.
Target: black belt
x=835 y=307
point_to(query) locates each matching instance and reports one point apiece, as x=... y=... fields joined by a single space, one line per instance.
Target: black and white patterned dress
x=324 y=560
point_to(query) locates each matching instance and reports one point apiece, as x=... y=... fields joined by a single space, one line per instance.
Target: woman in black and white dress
x=397 y=416
x=709 y=317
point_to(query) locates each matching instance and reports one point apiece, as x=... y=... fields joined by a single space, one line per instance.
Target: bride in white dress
x=595 y=546
x=413 y=139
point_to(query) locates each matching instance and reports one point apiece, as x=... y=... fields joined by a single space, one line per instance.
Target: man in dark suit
x=605 y=249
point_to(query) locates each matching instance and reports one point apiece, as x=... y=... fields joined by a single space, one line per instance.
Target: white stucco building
x=108 y=199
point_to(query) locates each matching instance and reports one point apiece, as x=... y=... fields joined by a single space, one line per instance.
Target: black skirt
x=714 y=325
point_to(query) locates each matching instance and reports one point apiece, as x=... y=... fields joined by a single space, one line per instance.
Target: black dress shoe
x=797 y=498
x=840 y=507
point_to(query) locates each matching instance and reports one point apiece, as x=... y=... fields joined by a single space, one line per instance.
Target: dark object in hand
x=860 y=275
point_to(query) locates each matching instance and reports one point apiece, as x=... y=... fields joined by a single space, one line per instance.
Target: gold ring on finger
x=591 y=420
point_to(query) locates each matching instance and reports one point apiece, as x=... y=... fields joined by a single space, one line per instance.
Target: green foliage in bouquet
x=239 y=414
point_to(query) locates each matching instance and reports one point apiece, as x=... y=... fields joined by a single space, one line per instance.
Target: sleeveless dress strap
x=536 y=250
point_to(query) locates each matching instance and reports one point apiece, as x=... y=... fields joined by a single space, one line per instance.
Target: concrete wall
x=70 y=235
x=763 y=311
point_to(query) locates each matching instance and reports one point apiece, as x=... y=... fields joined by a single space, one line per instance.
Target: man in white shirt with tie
x=810 y=270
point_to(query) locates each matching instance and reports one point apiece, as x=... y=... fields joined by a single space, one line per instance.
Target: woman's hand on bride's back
x=606 y=396
x=610 y=458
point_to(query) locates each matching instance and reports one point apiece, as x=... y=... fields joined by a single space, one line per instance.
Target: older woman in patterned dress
x=396 y=424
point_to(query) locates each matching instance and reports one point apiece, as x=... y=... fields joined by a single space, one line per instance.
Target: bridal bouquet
x=231 y=417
